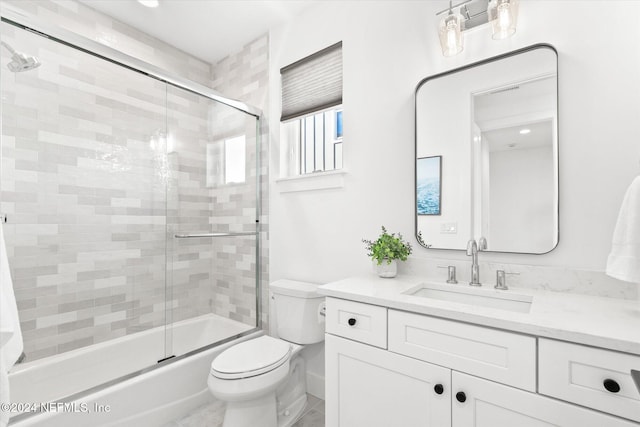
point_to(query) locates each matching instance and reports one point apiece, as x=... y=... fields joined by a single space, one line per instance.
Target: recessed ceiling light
x=525 y=131
x=149 y=3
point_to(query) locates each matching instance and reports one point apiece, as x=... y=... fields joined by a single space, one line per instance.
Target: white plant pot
x=386 y=269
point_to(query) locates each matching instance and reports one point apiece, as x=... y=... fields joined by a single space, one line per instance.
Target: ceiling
x=501 y=114
x=207 y=29
x=510 y=138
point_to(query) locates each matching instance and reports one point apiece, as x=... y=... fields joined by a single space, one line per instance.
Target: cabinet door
x=370 y=387
x=488 y=404
x=579 y=374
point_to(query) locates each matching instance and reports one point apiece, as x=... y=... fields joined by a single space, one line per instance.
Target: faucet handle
x=451 y=273
x=501 y=281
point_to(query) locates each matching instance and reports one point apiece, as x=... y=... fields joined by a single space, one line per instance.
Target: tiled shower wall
x=214 y=274
x=88 y=201
x=85 y=21
x=245 y=76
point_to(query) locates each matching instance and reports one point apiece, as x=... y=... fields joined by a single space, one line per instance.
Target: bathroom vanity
x=406 y=352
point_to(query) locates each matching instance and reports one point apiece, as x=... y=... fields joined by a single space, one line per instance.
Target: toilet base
x=292 y=394
x=291 y=414
x=256 y=412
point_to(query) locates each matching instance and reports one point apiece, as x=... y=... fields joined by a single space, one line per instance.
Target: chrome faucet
x=472 y=251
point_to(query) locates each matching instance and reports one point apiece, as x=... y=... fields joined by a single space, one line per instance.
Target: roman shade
x=313 y=83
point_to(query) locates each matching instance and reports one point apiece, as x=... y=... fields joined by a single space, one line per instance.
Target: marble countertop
x=596 y=321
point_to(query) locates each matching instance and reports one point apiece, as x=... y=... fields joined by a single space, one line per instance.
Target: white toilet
x=262 y=380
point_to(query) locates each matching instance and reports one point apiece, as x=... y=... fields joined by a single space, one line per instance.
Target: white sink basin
x=503 y=300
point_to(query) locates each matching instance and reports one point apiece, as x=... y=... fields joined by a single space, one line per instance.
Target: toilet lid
x=251 y=358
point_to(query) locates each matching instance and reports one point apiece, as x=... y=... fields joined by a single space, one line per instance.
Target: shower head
x=19 y=61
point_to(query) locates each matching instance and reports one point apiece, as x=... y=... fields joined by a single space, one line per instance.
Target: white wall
x=385 y=52
x=388 y=47
x=391 y=45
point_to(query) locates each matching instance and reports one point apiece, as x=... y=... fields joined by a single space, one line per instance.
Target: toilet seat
x=251 y=358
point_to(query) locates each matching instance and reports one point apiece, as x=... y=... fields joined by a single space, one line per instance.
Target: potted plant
x=386 y=250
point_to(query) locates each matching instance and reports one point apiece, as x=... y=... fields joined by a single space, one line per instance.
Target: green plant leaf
x=388 y=247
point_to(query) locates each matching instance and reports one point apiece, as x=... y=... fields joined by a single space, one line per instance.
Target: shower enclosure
x=130 y=205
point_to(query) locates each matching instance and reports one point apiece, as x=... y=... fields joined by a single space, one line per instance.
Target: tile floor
x=211 y=415
x=313 y=414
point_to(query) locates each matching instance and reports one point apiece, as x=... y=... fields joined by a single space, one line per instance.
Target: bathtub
x=160 y=393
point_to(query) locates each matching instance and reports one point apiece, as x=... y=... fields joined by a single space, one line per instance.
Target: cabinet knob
x=438 y=388
x=611 y=385
x=461 y=397
x=351 y=321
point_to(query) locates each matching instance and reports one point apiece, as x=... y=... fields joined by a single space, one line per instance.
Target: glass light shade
x=149 y=3
x=450 y=31
x=503 y=15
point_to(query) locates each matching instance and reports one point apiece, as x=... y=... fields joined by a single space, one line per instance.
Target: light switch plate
x=449 y=228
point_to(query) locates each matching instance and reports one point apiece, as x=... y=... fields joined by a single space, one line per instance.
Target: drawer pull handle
x=611 y=385
x=438 y=388
x=461 y=397
x=351 y=321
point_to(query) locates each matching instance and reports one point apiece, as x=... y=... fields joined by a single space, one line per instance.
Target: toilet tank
x=297 y=311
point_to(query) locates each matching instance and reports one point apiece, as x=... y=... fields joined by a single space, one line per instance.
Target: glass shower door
x=212 y=220
x=108 y=177
x=83 y=189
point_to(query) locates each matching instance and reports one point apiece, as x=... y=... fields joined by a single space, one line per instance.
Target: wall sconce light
x=450 y=30
x=503 y=15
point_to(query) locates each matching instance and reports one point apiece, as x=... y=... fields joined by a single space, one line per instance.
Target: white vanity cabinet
x=500 y=356
x=487 y=403
x=370 y=387
x=591 y=377
x=386 y=367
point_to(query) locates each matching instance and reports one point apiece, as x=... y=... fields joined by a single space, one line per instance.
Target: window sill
x=312 y=182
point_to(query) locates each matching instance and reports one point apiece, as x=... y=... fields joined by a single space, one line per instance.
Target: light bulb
x=503 y=15
x=149 y=3
x=451 y=34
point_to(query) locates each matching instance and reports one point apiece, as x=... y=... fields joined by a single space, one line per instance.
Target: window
x=312 y=120
x=315 y=142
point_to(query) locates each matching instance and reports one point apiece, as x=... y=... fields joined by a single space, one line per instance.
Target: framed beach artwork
x=428 y=185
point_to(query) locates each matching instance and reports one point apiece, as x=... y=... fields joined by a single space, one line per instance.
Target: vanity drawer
x=500 y=356
x=360 y=322
x=577 y=373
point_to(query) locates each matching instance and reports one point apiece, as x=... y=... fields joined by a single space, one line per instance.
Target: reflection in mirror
x=514 y=155
x=493 y=127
